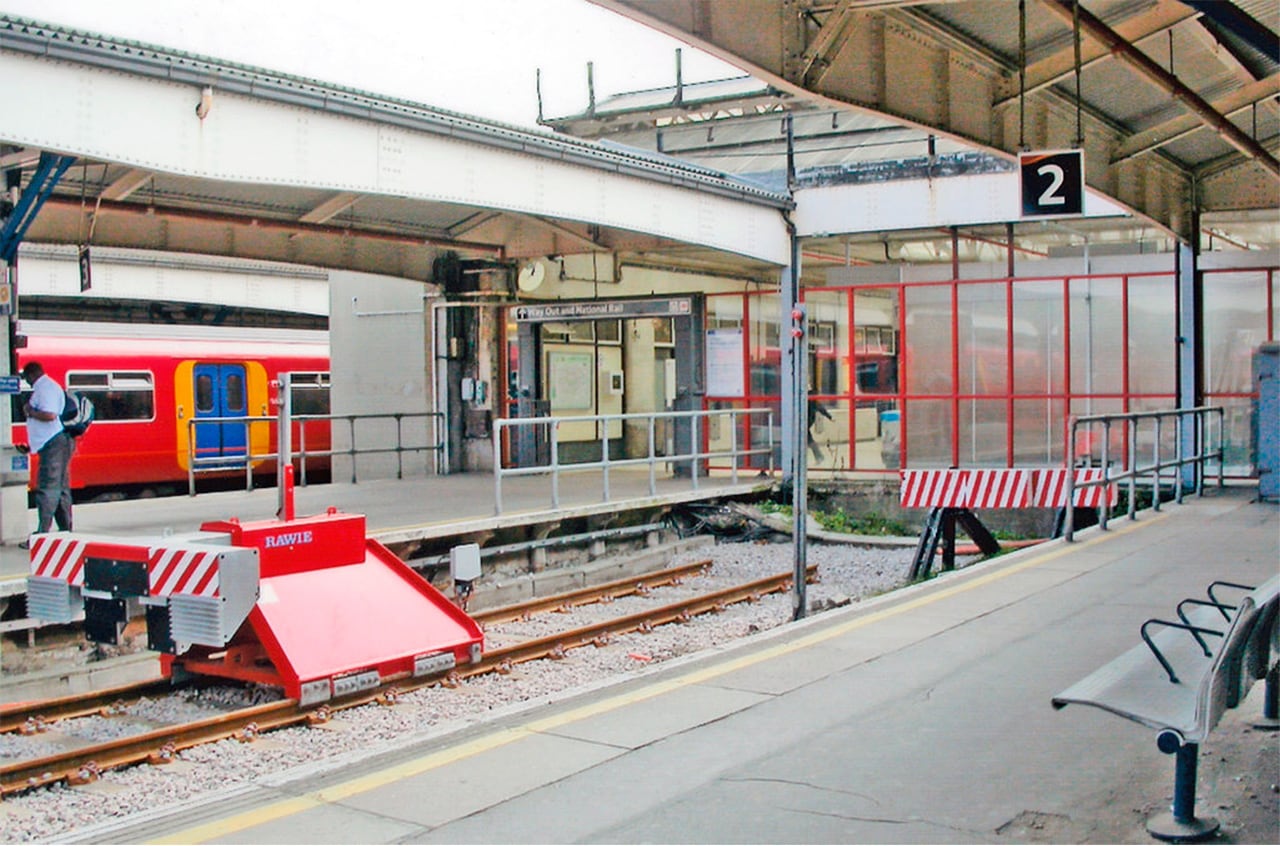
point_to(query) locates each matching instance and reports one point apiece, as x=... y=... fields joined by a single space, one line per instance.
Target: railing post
x=1202 y=451
x=302 y=452
x=772 y=467
x=1222 y=446
x=1132 y=470
x=653 y=456
x=351 y=421
x=695 y=446
x=604 y=457
x=191 y=458
x=1069 y=514
x=554 y=428
x=1178 y=454
x=1104 y=510
x=498 y=426
x=1155 y=484
x=399 y=444
x=248 y=463
x=733 y=443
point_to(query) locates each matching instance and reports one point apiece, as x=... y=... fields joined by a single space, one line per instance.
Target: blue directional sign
x=10 y=384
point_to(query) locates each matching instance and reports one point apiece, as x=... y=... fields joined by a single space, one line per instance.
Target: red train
x=148 y=383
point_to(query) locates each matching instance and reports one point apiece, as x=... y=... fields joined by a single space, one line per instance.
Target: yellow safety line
x=502 y=737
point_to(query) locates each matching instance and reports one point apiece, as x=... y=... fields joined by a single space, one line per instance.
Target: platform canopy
x=165 y=150
x=1174 y=102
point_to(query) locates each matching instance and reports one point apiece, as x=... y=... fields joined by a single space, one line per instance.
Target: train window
x=233 y=393
x=117 y=395
x=204 y=393
x=309 y=393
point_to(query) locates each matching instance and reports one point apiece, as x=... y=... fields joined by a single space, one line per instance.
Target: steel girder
x=909 y=61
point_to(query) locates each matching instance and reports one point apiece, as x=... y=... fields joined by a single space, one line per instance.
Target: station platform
x=920 y=716
x=396 y=511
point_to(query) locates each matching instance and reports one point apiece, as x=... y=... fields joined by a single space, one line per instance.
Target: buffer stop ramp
x=310 y=605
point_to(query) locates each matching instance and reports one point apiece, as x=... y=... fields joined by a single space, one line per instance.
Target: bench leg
x=1270 y=719
x=1181 y=825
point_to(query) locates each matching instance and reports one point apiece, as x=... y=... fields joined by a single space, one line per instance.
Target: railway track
x=36 y=717
x=161 y=745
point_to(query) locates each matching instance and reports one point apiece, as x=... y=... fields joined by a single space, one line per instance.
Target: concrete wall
x=378 y=365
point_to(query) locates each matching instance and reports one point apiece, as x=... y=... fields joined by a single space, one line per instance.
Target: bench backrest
x=1244 y=657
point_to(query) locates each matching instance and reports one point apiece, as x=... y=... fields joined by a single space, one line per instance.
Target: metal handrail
x=652 y=459
x=1199 y=415
x=210 y=464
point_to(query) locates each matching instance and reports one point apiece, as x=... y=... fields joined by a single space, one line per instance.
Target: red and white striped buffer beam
x=208 y=588
x=1001 y=488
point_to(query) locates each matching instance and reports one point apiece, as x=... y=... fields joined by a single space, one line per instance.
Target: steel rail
x=585 y=596
x=35 y=717
x=83 y=765
x=598 y=634
x=29 y=717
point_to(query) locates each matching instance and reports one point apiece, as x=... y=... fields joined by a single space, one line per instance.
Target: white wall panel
x=137 y=275
x=919 y=203
x=152 y=124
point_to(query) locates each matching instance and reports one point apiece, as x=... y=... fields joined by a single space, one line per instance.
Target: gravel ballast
x=846 y=574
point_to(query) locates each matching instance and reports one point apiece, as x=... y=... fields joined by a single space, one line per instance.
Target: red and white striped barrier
x=169 y=570
x=172 y=571
x=1002 y=488
x=59 y=558
x=925 y=488
x=999 y=488
x=1051 y=489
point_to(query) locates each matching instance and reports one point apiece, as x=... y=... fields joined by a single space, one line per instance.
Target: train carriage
x=152 y=385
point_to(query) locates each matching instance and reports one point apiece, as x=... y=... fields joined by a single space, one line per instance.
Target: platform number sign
x=1052 y=183
x=86 y=269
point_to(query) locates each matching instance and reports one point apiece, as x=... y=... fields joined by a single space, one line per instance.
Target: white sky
x=472 y=56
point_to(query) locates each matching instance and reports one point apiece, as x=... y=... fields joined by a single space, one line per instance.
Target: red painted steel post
x=288 y=492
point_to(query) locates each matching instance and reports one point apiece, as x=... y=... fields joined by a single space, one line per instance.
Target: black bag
x=77 y=414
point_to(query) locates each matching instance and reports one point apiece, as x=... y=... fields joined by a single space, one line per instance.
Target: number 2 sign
x=1052 y=183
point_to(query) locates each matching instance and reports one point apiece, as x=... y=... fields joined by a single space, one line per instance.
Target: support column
x=13 y=475
x=1190 y=369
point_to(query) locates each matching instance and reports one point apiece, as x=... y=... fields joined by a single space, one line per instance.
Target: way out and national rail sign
x=1052 y=183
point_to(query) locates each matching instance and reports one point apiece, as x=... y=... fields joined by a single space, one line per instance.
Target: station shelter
x=941 y=329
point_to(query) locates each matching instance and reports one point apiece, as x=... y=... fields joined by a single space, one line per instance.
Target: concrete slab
x=647 y=720
x=469 y=785
x=326 y=824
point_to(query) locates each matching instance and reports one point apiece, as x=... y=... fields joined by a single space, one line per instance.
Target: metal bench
x=1187 y=672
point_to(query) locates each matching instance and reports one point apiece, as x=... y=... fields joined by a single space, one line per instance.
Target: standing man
x=816 y=408
x=47 y=438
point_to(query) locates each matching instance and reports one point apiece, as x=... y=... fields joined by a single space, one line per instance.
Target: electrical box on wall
x=464 y=562
x=474 y=390
x=616 y=383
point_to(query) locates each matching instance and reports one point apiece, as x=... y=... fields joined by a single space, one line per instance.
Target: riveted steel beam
x=1158 y=76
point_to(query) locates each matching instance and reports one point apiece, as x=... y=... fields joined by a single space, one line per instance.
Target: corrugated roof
x=33 y=37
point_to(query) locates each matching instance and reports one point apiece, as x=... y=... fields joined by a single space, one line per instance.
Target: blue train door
x=220 y=392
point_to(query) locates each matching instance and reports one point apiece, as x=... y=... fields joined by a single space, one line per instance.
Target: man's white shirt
x=46 y=395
